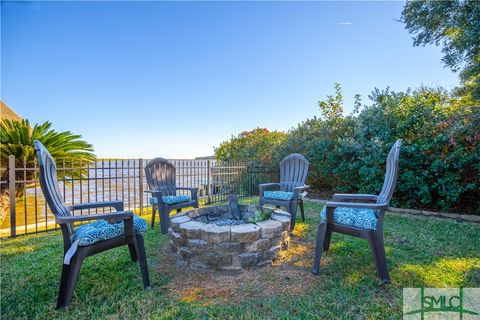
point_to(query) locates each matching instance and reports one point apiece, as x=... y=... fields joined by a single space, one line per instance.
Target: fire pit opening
x=229 y=238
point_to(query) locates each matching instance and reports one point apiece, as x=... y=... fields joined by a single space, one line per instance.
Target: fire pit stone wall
x=200 y=244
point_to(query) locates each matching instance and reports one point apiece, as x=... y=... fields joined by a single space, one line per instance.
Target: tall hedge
x=258 y=145
x=440 y=156
x=439 y=160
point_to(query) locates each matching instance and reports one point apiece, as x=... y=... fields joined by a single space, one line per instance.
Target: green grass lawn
x=421 y=251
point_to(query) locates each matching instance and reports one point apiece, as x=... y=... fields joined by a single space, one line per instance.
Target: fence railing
x=25 y=211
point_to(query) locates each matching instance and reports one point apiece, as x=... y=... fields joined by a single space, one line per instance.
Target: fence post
x=141 y=186
x=249 y=181
x=11 y=187
x=208 y=181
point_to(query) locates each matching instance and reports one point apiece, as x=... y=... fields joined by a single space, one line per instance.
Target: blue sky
x=174 y=79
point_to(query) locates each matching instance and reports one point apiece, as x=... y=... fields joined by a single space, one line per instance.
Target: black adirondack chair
x=102 y=234
x=161 y=179
x=363 y=219
x=291 y=189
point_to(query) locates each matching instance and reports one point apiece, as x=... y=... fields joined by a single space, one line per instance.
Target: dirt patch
x=289 y=275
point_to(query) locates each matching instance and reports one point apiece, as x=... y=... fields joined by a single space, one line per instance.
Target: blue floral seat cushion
x=278 y=195
x=359 y=218
x=171 y=199
x=100 y=230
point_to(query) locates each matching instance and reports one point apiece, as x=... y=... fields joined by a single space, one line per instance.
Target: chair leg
x=143 y=262
x=163 y=219
x=328 y=236
x=293 y=214
x=154 y=208
x=321 y=233
x=302 y=211
x=133 y=253
x=63 y=286
x=71 y=282
x=378 y=252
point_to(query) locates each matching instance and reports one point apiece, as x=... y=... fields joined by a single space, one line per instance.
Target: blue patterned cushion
x=170 y=199
x=359 y=218
x=100 y=230
x=278 y=195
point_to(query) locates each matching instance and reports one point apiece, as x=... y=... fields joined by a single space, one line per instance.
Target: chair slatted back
x=49 y=182
x=391 y=174
x=161 y=175
x=293 y=172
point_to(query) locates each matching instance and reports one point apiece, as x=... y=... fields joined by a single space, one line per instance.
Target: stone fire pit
x=214 y=239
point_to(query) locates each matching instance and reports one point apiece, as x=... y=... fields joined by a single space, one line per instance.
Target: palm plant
x=16 y=138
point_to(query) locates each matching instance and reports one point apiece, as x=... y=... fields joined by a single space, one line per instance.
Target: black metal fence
x=25 y=211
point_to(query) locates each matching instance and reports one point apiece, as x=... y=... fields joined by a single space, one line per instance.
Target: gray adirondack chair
x=161 y=180
x=363 y=219
x=289 y=192
x=74 y=250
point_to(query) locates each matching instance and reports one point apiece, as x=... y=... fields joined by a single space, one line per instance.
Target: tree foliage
x=439 y=159
x=454 y=24
x=332 y=107
x=440 y=156
x=17 y=138
x=256 y=145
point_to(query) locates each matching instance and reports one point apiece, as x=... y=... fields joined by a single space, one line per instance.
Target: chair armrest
x=298 y=190
x=346 y=197
x=262 y=187
x=118 y=205
x=193 y=191
x=154 y=191
x=267 y=185
x=358 y=205
x=304 y=187
x=122 y=215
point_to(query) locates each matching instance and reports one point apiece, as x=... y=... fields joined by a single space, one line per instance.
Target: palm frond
x=16 y=138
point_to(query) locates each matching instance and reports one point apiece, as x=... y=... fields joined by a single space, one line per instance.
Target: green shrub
x=261 y=215
x=439 y=160
x=440 y=156
x=257 y=145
